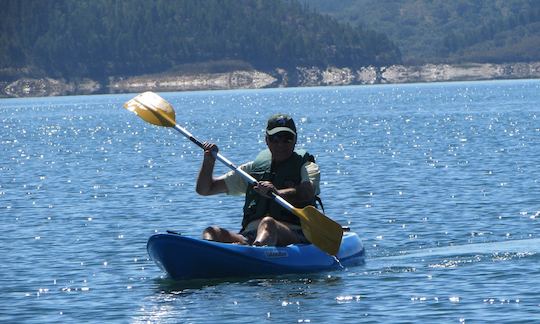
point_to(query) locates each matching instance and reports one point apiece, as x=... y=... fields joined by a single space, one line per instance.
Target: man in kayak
x=280 y=169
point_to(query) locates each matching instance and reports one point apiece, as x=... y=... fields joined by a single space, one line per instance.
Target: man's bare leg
x=218 y=234
x=274 y=233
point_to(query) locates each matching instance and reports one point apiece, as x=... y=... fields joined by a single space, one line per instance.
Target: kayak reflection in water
x=280 y=170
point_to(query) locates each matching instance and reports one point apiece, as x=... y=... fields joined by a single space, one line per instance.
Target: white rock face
x=253 y=79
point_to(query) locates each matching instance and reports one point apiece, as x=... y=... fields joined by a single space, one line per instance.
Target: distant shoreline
x=253 y=79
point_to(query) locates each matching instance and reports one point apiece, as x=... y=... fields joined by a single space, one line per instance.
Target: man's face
x=281 y=145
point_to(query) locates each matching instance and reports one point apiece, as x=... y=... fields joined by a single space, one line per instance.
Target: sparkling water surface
x=441 y=181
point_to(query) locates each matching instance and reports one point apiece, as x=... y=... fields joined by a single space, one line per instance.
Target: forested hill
x=101 y=38
x=442 y=31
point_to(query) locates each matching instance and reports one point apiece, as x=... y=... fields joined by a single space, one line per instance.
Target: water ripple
x=440 y=180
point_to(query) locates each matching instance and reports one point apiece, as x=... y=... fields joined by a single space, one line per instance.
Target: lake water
x=441 y=181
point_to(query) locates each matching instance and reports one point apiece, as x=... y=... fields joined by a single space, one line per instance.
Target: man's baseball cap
x=280 y=123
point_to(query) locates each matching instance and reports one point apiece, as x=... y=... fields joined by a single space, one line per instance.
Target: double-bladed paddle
x=320 y=230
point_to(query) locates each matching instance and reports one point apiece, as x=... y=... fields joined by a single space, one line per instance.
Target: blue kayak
x=183 y=257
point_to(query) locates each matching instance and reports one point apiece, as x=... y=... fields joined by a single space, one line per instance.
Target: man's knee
x=268 y=223
x=212 y=233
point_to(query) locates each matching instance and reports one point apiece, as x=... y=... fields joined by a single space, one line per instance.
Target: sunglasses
x=281 y=138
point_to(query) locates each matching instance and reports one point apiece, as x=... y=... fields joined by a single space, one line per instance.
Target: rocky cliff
x=252 y=79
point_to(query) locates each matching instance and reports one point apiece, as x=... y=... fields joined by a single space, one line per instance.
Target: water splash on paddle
x=341 y=267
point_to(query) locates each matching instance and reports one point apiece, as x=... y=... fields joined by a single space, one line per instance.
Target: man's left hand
x=264 y=188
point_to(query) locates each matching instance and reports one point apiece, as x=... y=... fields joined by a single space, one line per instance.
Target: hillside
x=98 y=39
x=440 y=31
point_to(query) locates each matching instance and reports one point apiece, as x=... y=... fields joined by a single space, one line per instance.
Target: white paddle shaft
x=247 y=177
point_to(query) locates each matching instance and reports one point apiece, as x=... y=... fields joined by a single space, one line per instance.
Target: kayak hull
x=185 y=258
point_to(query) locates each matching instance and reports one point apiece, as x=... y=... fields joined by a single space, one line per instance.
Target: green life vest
x=283 y=175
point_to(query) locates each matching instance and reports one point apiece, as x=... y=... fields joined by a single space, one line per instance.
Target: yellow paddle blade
x=153 y=109
x=320 y=230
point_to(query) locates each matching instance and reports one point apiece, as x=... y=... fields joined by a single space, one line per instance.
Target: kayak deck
x=188 y=258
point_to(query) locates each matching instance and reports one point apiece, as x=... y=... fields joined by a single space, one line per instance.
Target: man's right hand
x=210 y=150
